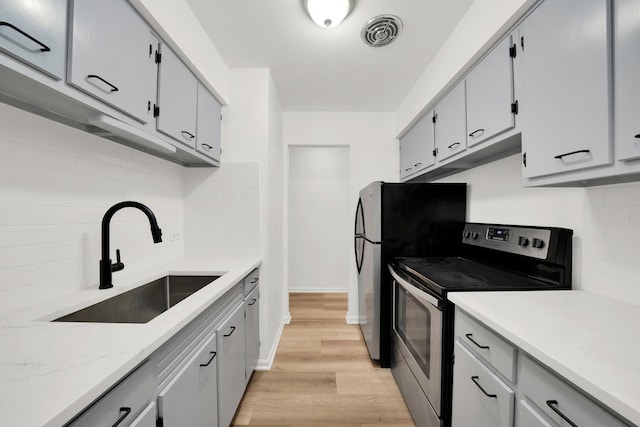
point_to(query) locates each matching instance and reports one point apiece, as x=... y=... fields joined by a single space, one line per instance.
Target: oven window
x=413 y=324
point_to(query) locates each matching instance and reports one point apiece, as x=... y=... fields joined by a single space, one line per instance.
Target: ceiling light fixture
x=328 y=13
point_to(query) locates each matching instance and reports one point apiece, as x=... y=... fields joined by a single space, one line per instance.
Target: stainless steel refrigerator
x=399 y=219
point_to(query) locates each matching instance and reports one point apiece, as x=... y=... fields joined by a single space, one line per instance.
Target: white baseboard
x=332 y=290
x=352 y=319
x=267 y=363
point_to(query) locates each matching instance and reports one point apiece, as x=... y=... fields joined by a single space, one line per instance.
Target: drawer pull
x=637 y=136
x=254 y=280
x=475 y=381
x=187 y=135
x=43 y=47
x=126 y=411
x=94 y=76
x=213 y=356
x=253 y=301
x=454 y=146
x=470 y=338
x=560 y=156
x=473 y=134
x=553 y=404
x=207 y=147
x=233 y=328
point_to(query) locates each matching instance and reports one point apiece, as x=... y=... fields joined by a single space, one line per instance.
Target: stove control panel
x=527 y=241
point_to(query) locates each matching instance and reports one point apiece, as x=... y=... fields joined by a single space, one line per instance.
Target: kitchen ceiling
x=317 y=69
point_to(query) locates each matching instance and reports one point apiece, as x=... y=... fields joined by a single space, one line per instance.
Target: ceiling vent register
x=381 y=30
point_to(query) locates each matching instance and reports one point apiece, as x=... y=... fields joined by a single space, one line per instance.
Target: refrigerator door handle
x=360 y=259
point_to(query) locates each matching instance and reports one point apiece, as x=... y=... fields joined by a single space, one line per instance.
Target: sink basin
x=141 y=304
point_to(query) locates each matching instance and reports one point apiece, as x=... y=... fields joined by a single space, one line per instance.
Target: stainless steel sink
x=141 y=304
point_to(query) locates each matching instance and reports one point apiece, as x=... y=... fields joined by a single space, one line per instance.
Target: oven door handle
x=421 y=295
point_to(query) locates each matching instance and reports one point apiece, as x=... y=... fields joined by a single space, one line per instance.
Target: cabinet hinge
x=522 y=42
x=513 y=51
x=159 y=422
x=524 y=159
x=514 y=107
x=434 y=118
x=158 y=57
x=156 y=110
x=435 y=152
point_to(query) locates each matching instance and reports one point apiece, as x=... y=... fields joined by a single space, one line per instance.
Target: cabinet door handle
x=93 y=76
x=43 y=47
x=553 y=404
x=207 y=147
x=472 y=134
x=187 y=135
x=253 y=301
x=637 y=136
x=560 y=156
x=475 y=380
x=454 y=146
x=408 y=169
x=253 y=280
x=126 y=411
x=417 y=165
x=470 y=338
x=213 y=356
x=233 y=328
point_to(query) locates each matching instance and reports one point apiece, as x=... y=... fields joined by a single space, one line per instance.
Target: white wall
x=605 y=220
x=319 y=219
x=56 y=183
x=373 y=155
x=483 y=25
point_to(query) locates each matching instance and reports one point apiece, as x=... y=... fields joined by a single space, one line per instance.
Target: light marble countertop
x=590 y=340
x=50 y=371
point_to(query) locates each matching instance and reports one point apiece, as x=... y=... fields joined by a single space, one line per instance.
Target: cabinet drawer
x=553 y=396
x=480 y=398
x=125 y=401
x=251 y=281
x=489 y=346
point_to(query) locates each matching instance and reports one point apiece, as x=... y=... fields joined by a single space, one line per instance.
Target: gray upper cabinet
x=177 y=99
x=231 y=365
x=406 y=154
x=35 y=32
x=423 y=144
x=208 y=124
x=566 y=103
x=490 y=98
x=451 y=123
x=626 y=82
x=111 y=55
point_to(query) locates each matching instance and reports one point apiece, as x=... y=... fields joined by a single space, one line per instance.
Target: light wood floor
x=322 y=375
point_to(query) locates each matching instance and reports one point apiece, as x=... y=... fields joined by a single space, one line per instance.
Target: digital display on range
x=501 y=234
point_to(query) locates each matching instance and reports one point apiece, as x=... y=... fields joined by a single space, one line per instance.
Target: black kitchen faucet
x=106 y=267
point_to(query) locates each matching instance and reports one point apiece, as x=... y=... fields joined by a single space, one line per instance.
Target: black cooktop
x=454 y=274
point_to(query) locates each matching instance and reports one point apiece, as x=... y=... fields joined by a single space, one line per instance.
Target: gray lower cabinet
x=147 y=418
x=191 y=396
x=208 y=124
x=35 y=32
x=177 y=99
x=528 y=416
x=231 y=365
x=626 y=86
x=566 y=102
x=112 y=55
x=252 y=336
x=480 y=398
x=451 y=123
x=490 y=94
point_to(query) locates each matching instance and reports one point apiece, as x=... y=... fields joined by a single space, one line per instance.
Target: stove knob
x=537 y=243
x=523 y=241
x=466 y=234
x=474 y=235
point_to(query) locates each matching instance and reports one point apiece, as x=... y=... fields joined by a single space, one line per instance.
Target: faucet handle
x=118 y=264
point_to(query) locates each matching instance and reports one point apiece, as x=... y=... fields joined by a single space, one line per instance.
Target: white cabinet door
x=177 y=99
x=406 y=155
x=231 y=365
x=490 y=94
x=627 y=79
x=190 y=399
x=111 y=55
x=252 y=339
x=480 y=398
x=35 y=32
x=147 y=418
x=208 y=124
x=566 y=102
x=423 y=144
x=451 y=123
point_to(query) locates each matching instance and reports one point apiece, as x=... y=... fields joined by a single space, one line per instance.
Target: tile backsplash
x=56 y=183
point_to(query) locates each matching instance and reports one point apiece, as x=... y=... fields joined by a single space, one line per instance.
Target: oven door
x=417 y=325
